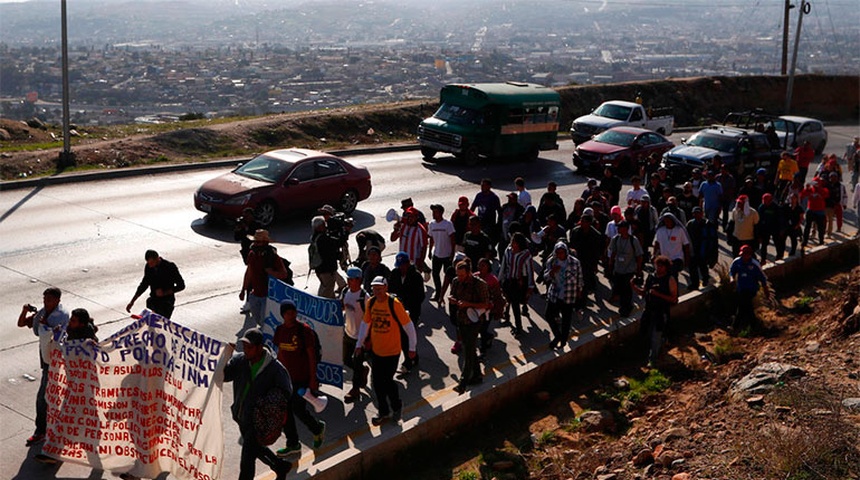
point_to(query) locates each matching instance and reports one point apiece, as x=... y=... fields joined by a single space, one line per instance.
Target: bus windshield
x=459 y=115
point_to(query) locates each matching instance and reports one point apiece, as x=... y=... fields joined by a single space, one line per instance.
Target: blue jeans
x=257 y=308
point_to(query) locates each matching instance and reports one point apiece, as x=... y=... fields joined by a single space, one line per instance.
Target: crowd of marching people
x=484 y=262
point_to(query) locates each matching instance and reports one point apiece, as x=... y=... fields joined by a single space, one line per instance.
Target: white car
x=793 y=131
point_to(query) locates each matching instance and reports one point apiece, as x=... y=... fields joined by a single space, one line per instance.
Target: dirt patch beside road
x=690 y=418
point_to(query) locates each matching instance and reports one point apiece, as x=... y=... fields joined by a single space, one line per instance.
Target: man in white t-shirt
x=354 y=299
x=524 y=198
x=441 y=233
x=671 y=240
x=634 y=195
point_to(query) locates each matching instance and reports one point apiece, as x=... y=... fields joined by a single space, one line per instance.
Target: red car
x=285 y=181
x=623 y=148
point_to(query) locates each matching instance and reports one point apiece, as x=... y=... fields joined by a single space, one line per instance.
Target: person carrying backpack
x=298 y=351
x=353 y=299
x=383 y=311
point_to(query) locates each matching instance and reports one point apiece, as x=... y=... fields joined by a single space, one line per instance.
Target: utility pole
x=805 y=7
x=66 y=158
x=788 y=6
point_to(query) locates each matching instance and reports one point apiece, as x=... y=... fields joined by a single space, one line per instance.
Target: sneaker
x=351 y=396
x=35 y=438
x=282 y=469
x=320 y=437
x=42 y=458
x=379 y=419
x=455 y=349
x=460 y=388
x=289 y=450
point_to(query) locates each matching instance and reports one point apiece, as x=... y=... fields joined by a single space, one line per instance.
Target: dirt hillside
x=782 y=402
x=27 y=150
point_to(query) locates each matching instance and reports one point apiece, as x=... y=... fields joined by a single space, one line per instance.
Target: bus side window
x=515 y=116
x=552 y=115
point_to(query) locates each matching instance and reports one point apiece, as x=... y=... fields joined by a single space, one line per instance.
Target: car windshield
x=715 y=142
x=264 y=168
x=459 y=115
x=622 y=139
x=784 y=126
x=615 y=112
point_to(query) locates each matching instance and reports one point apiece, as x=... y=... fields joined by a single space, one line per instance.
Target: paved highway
x=89 y=238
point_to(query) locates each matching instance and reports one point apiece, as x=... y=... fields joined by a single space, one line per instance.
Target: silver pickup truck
x=618 y=113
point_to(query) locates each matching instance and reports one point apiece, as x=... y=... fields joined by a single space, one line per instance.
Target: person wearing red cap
x=747 y=275
x=815 y=194
x=741 y=229
x=413 y=238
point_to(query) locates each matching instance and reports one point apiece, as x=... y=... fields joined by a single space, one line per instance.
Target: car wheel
x=428 y=153
x=348 y=201
x=265 y=213
x=470 y=156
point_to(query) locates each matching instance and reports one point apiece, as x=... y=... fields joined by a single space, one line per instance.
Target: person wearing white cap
x=382 y=314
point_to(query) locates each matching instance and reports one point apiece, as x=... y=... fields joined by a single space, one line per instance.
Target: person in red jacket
x=815 y=194
x=804 y=155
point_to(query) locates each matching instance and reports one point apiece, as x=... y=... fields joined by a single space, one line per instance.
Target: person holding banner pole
x=254 y=373
x=380 y=316
x=296 y=346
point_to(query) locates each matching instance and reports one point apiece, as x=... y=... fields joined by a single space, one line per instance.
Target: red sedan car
x=285 y=181
x=623 y=148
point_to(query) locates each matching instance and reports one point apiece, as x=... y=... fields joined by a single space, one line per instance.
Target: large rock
x=763 y=378
x=851 y=404
x=597 y=421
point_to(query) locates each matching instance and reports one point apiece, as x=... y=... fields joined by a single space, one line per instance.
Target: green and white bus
x=492 y=120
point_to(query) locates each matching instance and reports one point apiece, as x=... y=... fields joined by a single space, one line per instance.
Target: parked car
x=282 y=182
x=742 y=151
x=618 y=113
x=789 y=131
x=622 y=148
x=793 y=131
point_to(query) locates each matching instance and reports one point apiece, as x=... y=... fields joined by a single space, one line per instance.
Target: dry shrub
x=812 y=440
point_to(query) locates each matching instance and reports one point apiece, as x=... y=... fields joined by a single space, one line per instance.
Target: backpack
x=314 y=257
x=390 y=306
x=317 y=344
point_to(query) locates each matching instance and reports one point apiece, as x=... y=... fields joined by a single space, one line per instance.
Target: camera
x=31 y=308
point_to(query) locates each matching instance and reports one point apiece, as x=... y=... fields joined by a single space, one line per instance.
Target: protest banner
x=324 y=315
x=146 y=400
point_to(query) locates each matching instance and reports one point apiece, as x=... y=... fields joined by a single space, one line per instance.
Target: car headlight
x=240 y=200
x=420 y=129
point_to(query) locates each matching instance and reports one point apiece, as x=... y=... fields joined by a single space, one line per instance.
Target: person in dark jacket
x=163 y=280
x=770 y=225
x=324 y=262
x=81 y=326
x=703 y=246
x=589 y=246
x=254 y=373
x=610 y=184
x=407 y=284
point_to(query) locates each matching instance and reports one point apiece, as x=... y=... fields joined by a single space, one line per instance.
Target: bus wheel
x=428 y=153
x=470 y=156
x=532 y=155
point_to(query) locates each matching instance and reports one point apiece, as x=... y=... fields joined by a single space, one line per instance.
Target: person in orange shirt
x=380 y=315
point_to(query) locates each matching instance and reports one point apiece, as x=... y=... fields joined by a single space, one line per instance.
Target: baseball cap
x=380 y=280
x=326 y=209
x=401 y=258
x=353 y=272
x=697 y=210
x=288 y=305
x=646 y=198
x=253 y=336
x=746 y=249
x=436 y=206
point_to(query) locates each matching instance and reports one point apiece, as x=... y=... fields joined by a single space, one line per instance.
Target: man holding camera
x=45 y=322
